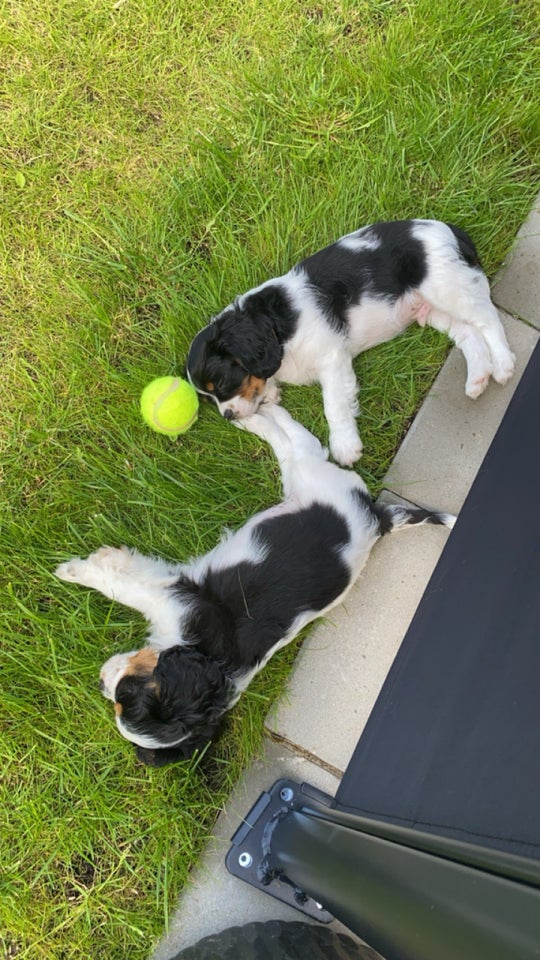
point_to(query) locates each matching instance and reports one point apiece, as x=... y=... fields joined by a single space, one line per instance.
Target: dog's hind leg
x=477 y=309
x=472 y=345
x=465 y=300
x=485 y=318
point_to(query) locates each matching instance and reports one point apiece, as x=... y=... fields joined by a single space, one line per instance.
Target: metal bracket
x=247 y=858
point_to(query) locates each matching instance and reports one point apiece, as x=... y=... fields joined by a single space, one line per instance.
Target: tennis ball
x=169 y=405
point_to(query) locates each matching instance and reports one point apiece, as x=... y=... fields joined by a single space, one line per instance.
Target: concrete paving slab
x=214 y=900
x=345 y=659
x=517 y=286
x=450 y=436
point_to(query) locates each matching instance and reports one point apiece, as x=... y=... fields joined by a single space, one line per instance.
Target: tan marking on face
x=118 y=709
x=251 y=387
x=142 y=663
x=210 y=386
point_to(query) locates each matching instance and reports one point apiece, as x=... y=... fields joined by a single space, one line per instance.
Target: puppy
x=216 y=621
x=307 y=325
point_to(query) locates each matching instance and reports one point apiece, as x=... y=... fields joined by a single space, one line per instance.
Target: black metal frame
x=246 y=858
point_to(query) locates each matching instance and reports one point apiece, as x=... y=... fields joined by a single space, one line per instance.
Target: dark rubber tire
x=275 y=940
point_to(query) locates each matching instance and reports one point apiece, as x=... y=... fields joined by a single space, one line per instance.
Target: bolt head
x=245 y=859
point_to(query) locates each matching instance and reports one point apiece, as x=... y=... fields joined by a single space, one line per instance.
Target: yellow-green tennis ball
x=169 y=405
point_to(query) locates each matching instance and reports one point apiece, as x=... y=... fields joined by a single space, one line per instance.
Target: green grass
x=157 y=158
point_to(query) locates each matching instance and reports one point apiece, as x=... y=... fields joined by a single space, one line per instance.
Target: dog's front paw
x=272 y=393
x=346 y=448
x=257 y=424
x=250 y=424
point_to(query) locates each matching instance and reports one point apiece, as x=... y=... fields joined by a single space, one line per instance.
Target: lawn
x=159 y=157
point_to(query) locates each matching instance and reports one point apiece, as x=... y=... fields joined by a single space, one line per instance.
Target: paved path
x=343 y=663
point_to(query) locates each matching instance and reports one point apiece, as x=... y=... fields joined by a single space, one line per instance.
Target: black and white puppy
x=216 y=621
x=306 y=326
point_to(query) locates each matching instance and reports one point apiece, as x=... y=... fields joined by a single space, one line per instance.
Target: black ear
x=197 y=357
x=253 y=343
x=192 y=693
x=156 y=757
x=252 y=332
x=160 y=757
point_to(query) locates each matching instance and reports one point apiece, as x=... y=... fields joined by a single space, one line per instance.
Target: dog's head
x=167 y=704
x=232 y=359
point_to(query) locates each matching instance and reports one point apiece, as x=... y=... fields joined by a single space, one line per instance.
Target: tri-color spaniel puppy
x=307 y=325
x=216 y=621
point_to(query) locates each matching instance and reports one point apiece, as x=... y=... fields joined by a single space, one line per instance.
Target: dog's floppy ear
x=179 y=707
x=251 y=333
x=161 y=757
x=192 y=693
x=202 y=344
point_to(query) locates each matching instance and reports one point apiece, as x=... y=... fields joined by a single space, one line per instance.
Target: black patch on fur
x=246 y=338
x=466 y=247
x=241 y=612
x=377 y=510
x=341 y=276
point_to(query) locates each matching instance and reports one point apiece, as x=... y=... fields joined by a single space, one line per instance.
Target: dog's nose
x=228 y=414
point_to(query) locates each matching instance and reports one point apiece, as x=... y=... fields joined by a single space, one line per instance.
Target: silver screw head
x=245 y=859
x=286 y=794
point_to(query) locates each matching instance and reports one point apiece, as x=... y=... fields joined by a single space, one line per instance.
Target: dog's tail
x=394 y=516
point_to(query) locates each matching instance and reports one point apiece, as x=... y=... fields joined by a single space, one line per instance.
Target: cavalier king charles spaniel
x=215 y=621
x=308 y=325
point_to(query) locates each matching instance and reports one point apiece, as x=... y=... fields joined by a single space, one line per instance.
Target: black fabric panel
x=452 y=744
